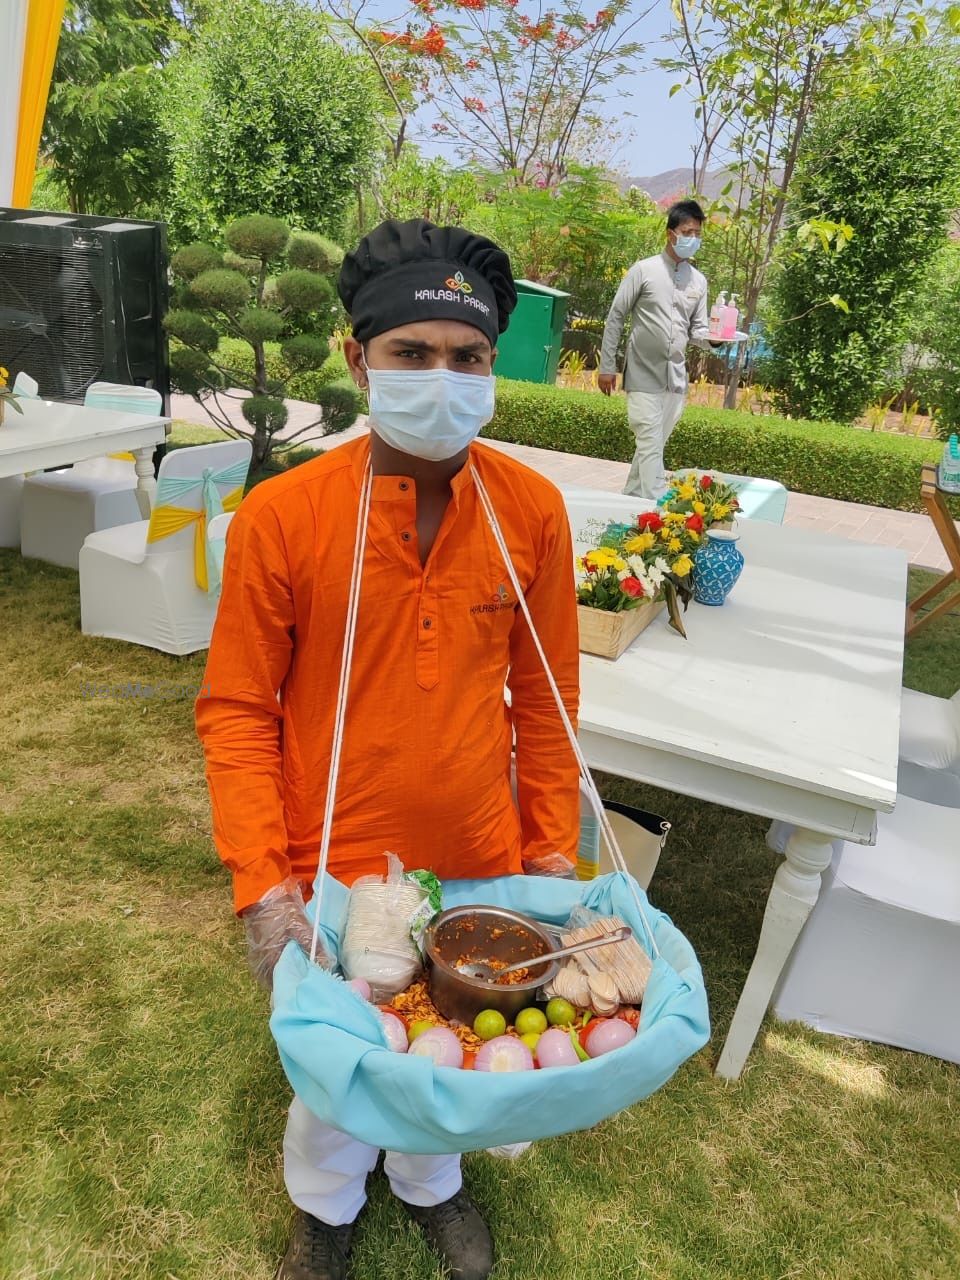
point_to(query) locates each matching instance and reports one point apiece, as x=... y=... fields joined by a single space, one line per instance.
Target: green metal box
x=530 y=349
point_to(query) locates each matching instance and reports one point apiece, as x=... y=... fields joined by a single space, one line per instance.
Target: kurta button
x=405 y=535
x=404 y=486
x=427 y=623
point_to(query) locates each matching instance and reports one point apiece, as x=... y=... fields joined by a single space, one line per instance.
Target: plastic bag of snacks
x=385 y=921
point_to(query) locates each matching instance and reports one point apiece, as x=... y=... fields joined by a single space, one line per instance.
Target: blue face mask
x=429 y=413
x=687 y=246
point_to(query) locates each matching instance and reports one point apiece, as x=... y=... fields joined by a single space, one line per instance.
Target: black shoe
x=316 y=1251
x=459 y=1234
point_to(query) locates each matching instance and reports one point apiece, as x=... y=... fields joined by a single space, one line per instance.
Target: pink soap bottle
x=729 y=318
x=716 y=317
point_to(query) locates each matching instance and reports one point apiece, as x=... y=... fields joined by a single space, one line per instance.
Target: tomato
x=631 y=1016
x=469 y=1058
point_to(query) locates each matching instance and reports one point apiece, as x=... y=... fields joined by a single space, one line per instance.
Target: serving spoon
x=486 y=973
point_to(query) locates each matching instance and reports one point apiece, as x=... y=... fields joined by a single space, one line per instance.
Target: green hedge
x=825 y=459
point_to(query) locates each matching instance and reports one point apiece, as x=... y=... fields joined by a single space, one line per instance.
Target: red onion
x=440 y=1044
x=361 y=986
x=504 y=1053
x=555 y=1050
x=610 y=1034
x=395 y=1031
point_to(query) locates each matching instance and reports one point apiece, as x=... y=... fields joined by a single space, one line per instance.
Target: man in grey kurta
x=666 y=300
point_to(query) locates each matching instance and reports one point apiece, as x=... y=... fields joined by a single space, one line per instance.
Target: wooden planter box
x=609 y=634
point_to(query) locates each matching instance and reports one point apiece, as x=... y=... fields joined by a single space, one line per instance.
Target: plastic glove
x=271 y=923
x=550 y=864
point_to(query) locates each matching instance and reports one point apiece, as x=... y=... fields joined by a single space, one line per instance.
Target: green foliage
x=306 y=351
x=264 y=114
x=888 y=164
x=302 y=290
x=100 y=129
x=192 y=259
x=266 y=413
x=417 y=187
x=257 y=236
x=581 y=236
x=825 y=459
x=192 y=373
x=313 y=252
x=339 y=406
x=935 y=340
x=259 y=324
x=310 y=384
x=220 y=288
x=192 y=329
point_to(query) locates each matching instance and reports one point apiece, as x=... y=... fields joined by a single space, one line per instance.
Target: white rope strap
x=346 y=662
x=591 y=787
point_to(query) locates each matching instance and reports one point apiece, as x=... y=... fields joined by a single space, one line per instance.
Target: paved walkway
x=906 y=529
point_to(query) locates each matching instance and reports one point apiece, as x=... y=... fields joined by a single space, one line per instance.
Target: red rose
x=633 y=587
x=695 y=523
x=649 y=521
x=706 y=482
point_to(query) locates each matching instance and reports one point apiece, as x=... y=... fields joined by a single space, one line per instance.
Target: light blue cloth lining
x=334 y=1053
x=170 y=489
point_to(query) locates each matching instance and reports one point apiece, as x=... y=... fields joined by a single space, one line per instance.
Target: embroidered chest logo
x=501 y=599
x=458 y=282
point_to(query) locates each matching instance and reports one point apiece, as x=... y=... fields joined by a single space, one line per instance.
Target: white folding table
x=49 y=434
x=784 y=702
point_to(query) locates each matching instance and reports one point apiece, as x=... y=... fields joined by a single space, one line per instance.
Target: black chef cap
x=408 y=271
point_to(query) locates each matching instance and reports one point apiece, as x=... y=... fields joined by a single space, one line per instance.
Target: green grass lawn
x=143 y=1104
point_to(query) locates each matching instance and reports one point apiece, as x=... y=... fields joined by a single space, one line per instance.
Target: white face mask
x=429 y=413
x=686 y=246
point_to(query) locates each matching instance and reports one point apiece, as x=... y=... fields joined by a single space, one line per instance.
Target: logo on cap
x=458 y=282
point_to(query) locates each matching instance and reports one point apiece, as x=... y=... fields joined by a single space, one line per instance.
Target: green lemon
x=530 y=1021
x=489 y=1024
x=530 y=1039
x=418 y=1028
x=560 y=1012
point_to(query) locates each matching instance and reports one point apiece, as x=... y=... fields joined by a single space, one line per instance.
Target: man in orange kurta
x=425 y=769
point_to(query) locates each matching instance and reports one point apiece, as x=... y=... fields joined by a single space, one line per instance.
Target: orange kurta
x=425 y=762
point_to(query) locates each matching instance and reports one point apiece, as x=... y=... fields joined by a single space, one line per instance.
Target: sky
x=660 y=135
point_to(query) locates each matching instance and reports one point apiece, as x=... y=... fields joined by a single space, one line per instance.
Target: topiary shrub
x=253 y=320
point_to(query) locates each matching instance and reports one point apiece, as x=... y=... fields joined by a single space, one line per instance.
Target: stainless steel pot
x=484 y=933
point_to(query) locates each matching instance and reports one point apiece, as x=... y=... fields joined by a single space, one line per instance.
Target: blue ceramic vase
x=717 y=567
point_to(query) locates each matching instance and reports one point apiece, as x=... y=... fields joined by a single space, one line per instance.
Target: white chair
x=880 y=953
x=61 y=507
x=11 y=487
x=217 y=538
x=157 y=583
x=930 y=748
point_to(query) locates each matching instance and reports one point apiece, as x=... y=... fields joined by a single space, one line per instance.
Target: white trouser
x=652 y=417
x=326 y=1170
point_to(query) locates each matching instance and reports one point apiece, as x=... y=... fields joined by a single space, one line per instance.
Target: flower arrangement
x=644 y=563
x=712 y=499
x=7 y=396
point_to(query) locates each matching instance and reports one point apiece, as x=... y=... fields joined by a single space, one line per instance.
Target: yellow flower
x=693 y=535
x=674 y=517
x=4 y=375
x=686 y=492
x=699 y=508
x=639 y=543
x=720 y=510
x=681 y=566
x=664 y=533
x=604 y=558
x=674 y=545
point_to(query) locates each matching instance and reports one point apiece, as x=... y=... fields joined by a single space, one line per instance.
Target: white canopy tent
x=31 y=30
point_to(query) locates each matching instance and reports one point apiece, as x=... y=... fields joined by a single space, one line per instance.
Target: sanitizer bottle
x=716 y=317
x=728 y=321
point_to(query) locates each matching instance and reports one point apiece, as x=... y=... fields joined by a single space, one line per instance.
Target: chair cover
x=157 y=584
x=334 y=1053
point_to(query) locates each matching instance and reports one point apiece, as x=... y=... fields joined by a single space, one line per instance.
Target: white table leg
x=146 y=484
x=796 y=887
